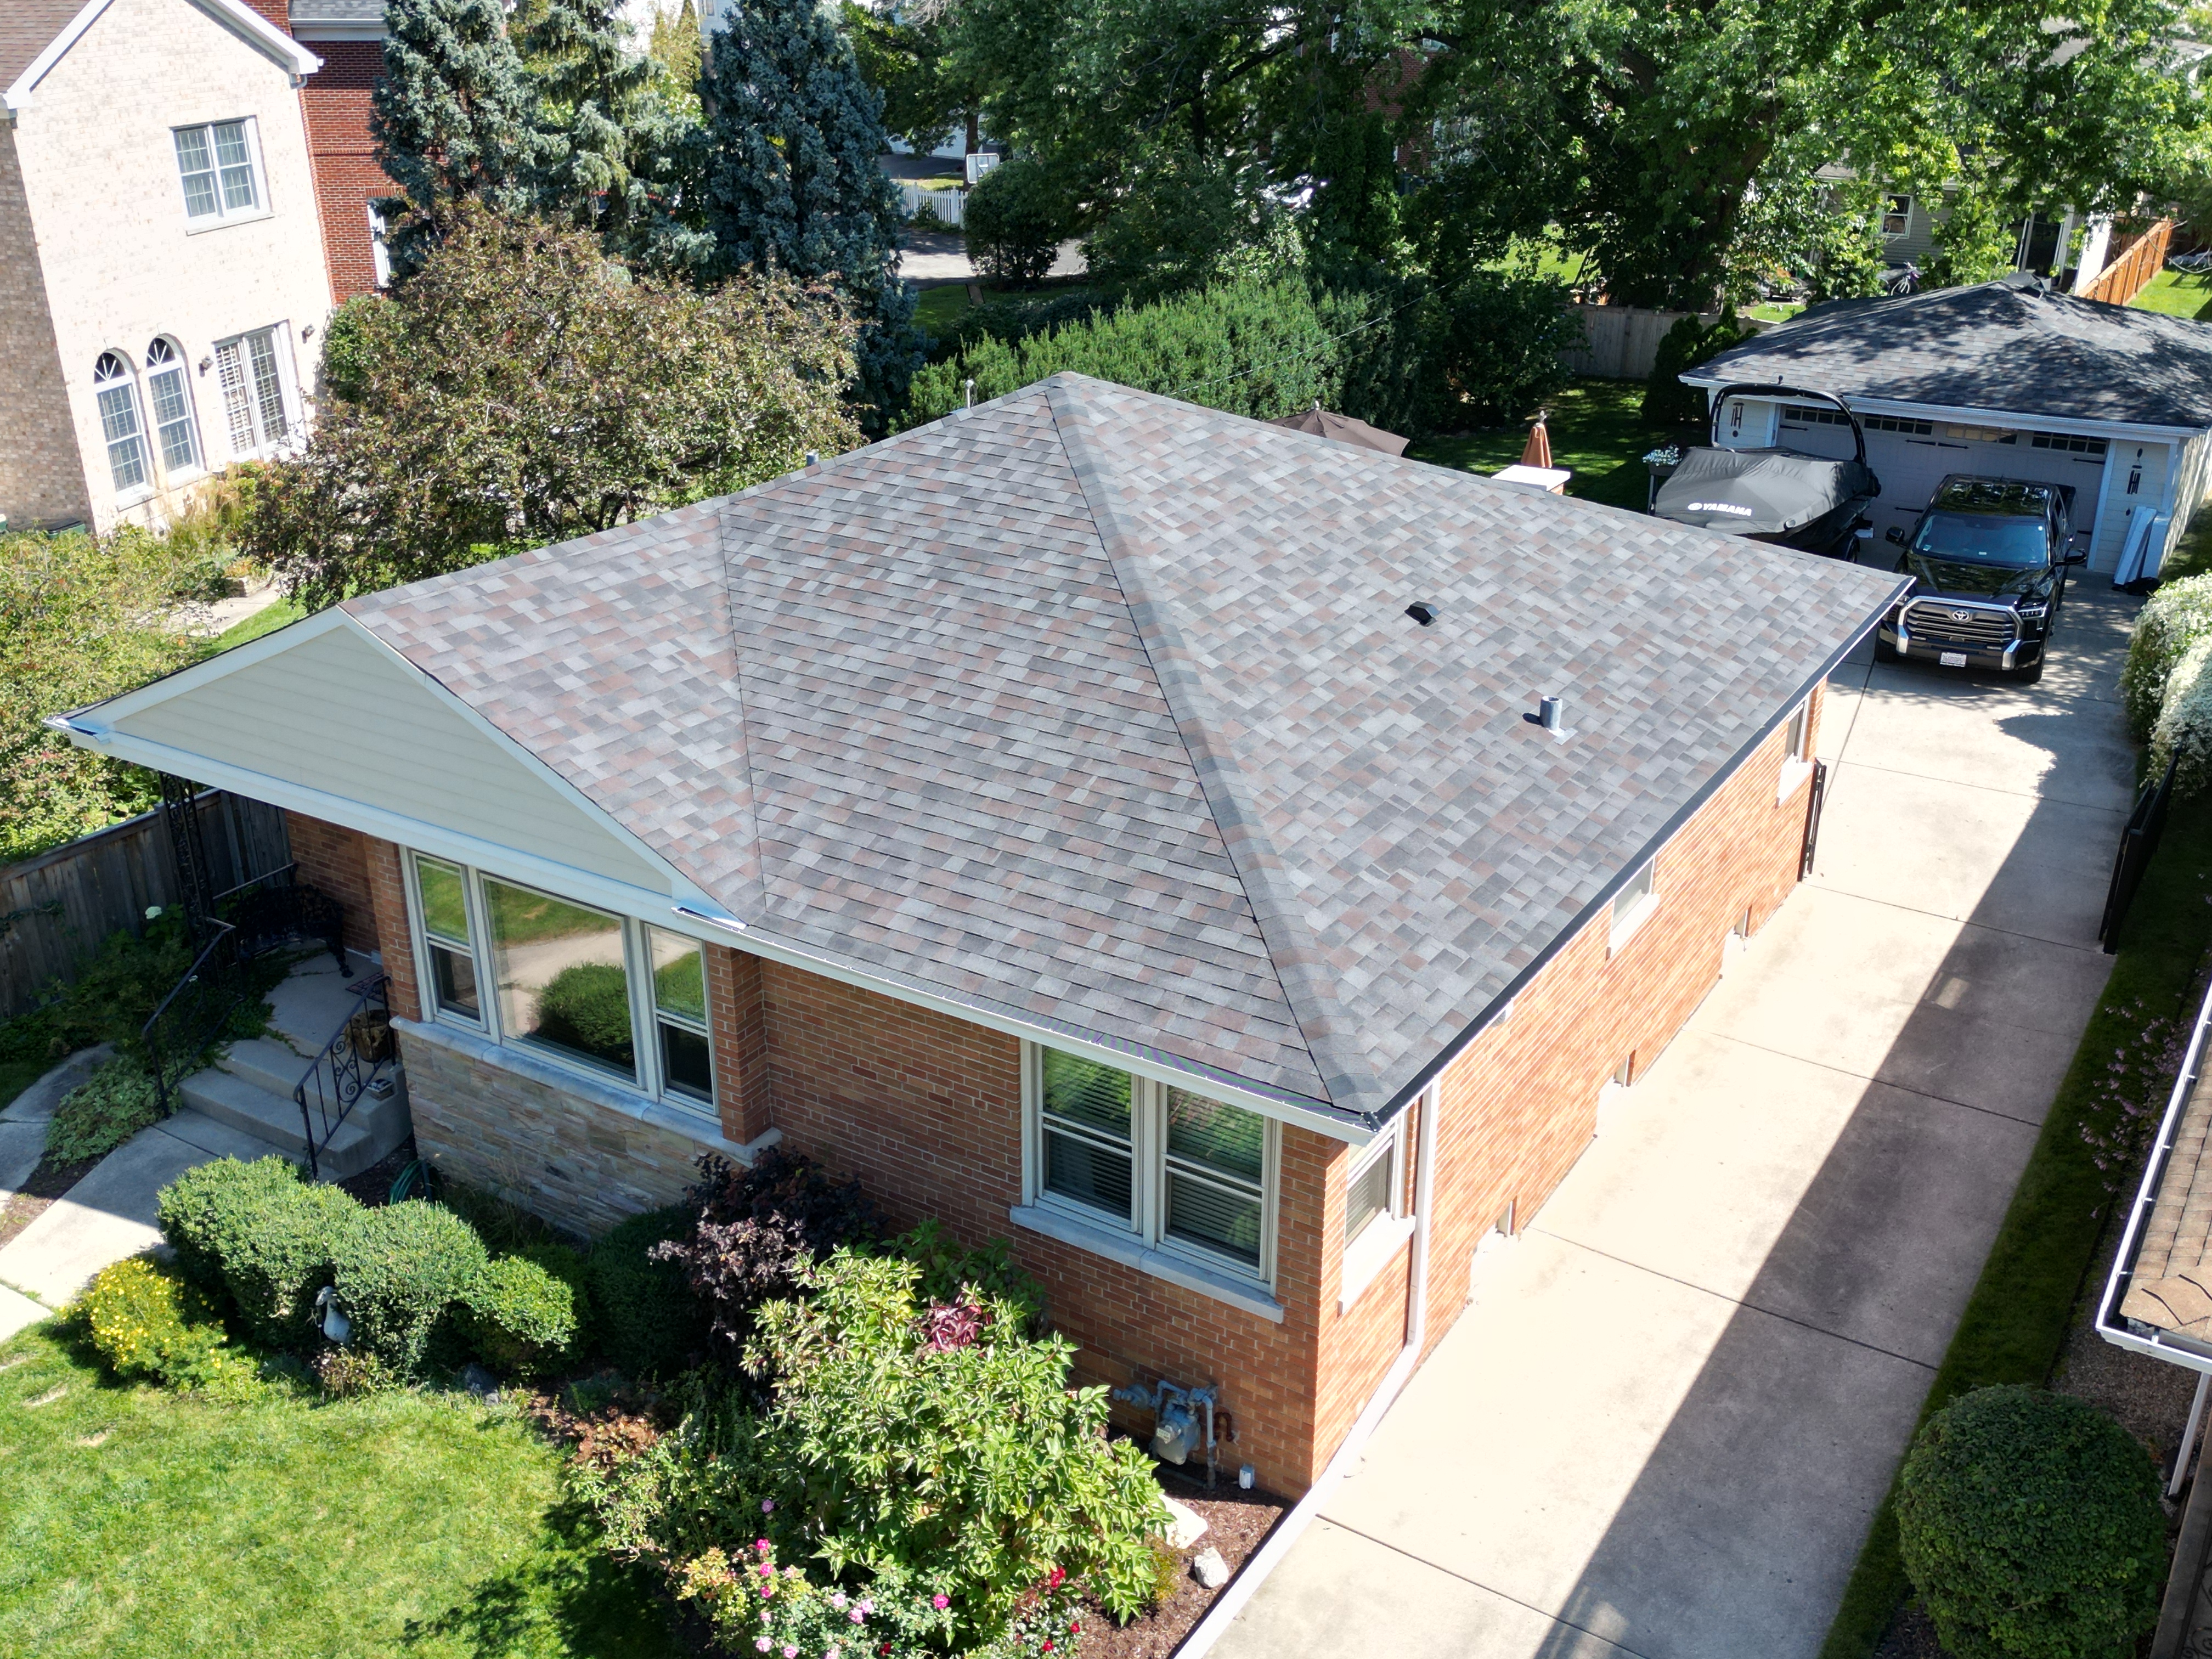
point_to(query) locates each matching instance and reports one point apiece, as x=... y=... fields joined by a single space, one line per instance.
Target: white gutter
x=2165 y=1346
x=1231 y=1602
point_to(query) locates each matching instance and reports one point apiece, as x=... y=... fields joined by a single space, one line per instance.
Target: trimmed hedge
x=260 y=1234
x=2030 y=1524
x=643 y=1314
x=396 y=1270
x=522 y=1313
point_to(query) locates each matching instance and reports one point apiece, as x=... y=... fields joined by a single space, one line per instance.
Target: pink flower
x=867 y=1607
x=857 y=1616
x=763 y=1644
x=940 y=1602
x=791 y=1653
x=768 y=1507
x=762 y=1545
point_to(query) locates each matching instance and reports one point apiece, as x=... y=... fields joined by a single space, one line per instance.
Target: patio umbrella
x=1343 y=430
x=1537 y=452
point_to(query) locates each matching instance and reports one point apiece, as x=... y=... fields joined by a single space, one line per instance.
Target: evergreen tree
x=621 y=150
x=453 y=120
x=793 y=183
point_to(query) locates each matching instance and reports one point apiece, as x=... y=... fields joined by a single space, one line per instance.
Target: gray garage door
x=1911 y=458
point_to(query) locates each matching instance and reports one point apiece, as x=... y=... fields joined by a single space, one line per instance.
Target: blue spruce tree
x=453 y=118
x=794 y=132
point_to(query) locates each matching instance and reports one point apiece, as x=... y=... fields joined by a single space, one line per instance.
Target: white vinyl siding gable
x=338 y=713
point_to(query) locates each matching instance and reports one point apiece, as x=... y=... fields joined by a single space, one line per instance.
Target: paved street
x=1663 y=1426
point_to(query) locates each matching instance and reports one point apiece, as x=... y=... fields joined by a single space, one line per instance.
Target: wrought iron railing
x=359 y=1053
x=191 y=1019
x=277 y=908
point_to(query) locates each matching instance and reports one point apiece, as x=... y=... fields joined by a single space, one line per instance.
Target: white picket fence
x=945 y=203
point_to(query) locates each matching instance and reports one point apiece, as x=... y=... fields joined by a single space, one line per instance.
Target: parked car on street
x=1987 y=558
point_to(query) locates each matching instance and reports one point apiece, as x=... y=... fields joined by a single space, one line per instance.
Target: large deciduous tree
x=522 y=388
x=794 y=185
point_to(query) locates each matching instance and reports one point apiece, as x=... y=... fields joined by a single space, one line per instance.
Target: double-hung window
x=251 y=370
x=1896 y=214
x=171 y=395
x=1638 y=898
x=1377 y=1218
x=532 y=970
x=115 y=390
x=1171 y=1169
x=215 y=162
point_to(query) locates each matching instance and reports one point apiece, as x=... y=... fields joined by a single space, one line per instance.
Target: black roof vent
x=1422 y=613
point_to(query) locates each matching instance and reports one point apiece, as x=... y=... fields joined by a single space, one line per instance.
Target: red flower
x=1059 y=1577
x=1046 y=1649
x=1075 y=1629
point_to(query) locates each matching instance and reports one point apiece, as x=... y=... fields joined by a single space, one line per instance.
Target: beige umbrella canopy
x=1343 y=428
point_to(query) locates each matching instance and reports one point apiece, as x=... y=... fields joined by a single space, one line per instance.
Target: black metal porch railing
x=359 y=1053
x=277 y=908
x=193 y=1017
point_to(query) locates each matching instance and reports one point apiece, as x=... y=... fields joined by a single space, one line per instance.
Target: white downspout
x=1232 y=1601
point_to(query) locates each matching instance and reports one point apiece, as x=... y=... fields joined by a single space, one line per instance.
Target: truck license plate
x=1952 y=659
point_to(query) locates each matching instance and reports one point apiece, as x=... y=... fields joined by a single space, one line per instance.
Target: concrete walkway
x=1663 y=1426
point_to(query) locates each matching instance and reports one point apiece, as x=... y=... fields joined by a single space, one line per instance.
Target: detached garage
x=2005 y=379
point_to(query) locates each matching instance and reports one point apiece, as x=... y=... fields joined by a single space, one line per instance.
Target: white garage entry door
x=1911 y=458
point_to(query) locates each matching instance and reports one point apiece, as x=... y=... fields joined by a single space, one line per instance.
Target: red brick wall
x=387 y=884
x=335 y=102
x=336 y=861
x=277 y=13
x=738 y=1019
x=1520 y=1104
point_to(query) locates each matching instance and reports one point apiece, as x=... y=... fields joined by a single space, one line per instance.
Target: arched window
x=171 y=394
x=117 y=396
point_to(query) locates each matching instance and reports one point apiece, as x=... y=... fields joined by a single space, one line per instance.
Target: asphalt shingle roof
x=28 y=28
x=2007 y=345
x=1103 y=711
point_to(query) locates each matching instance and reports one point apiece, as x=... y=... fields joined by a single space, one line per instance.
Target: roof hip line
x=1292 y=950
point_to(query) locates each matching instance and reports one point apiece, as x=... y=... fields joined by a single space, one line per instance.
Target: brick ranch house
x=1055 y=817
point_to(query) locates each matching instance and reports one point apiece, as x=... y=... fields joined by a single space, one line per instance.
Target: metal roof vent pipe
x=1552 y=716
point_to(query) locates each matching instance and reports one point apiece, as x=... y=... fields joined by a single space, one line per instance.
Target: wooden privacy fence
x=1620 y=342
x=2129 y=275
x=57 y=908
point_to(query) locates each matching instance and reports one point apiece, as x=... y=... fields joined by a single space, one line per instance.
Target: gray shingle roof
x=308 y=13
x=1102 y=710
x=2001 y=345
x=28 y=28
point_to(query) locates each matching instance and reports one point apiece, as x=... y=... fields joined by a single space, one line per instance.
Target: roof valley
x=1301 y=968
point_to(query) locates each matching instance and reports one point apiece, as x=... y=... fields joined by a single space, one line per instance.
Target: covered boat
x=1773 y=495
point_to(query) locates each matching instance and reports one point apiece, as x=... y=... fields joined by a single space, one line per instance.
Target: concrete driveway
x=1663 y=1425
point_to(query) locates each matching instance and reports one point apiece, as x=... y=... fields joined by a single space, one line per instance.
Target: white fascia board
x=1860 y=404
x=259 y=33
x=18 y=95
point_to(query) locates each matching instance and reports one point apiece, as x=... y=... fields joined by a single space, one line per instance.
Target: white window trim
x=1888 y=197
x=223 y=217
x=282 y=349
x=1382 y=1238
x=1798 y=766
x=1626 y=925
x=1142 y=1241
x=646 y=1085
x=174 y=476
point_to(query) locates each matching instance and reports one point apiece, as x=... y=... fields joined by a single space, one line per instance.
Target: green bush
x=1496 y=342
x=148 y=1323
x=2171 y=620
x=644 y=1317
x=586 y=1006
x=263 y=1235
x=356 y=333
x=1667 y=401
x=1254 y=347
x=109 y=1107
x=2184 y=731
x=2030 y=1524
x=396 y=1272
x=521 y=1313
x=1014 y=220
x=1184 y=221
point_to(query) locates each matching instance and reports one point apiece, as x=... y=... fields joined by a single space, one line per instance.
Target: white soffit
x=325 y=708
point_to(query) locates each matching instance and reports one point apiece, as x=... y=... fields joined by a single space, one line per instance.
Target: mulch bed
x=1911 y=1635
x=1236 y=1523
x=47 y=1182
x=373 y=1185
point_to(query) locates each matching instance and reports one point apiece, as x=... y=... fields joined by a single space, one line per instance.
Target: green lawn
x=262 y=622
x=2015 y=1323
x=1597 y=429
x=141 y=1524
x=2178 y=295
x=938 y=309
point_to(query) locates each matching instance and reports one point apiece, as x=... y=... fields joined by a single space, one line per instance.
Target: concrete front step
x=372 y=1129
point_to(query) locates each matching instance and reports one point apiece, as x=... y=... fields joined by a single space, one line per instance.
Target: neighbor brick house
x=1091 y=820
x=161 y=280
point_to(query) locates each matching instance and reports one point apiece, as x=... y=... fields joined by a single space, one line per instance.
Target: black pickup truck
x=1988 y=559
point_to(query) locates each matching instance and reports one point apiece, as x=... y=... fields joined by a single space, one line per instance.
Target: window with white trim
x=1795 y=731
x=169 y=390
x=379 y=251
x=115 y=392
x=216 y=163
x=251 y=369
x=1896 y=214
x=1374 y=1190
x=571 y=980
x=1636 y=900
x=1184 y=1173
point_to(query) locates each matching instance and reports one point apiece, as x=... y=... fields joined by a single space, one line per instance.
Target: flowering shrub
x=2184 y=731
x=756 y=1606
x=2171 y=620
x=147 y=1323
